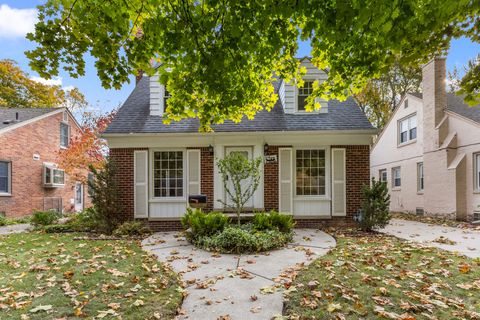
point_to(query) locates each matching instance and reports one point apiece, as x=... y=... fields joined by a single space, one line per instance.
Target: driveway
x=463 y=241
x=227 y=286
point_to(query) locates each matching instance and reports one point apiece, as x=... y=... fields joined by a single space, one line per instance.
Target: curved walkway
x=15 y=228
x=227 y=286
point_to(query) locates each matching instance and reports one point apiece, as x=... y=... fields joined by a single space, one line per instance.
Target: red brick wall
x=206 y=168
x=358 y=174
x=270 y=182
x=18 y=146
x=123 y=160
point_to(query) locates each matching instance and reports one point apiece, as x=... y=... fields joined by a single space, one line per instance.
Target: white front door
x=78 y=196
x=248 y=153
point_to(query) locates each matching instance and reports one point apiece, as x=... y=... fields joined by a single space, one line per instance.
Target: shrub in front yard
x=105 y=196
x=273 y=220
x=132 y=228
x=214 y=231
x=200 y=224
x=87 y=220
x=375 y=206
x=44 y=218
x=234 y=239
x=57 y=228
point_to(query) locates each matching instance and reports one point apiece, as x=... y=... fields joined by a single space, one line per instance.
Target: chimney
x=139 y=76
x=434 y=100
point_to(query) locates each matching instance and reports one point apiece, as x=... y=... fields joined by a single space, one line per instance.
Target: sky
x=17 y=17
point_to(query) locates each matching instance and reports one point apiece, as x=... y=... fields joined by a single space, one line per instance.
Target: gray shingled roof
x=456 y=105
x=134 y=117
x=8 y=115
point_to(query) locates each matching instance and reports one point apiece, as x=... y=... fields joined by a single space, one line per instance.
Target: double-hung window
x=64 y=134
x=303 y=94
x=382 y=175
x=168 y=174
x=420 y=183
x=407 y=129
x=396 y=177
x=476 y=166
x=310 y=172
x=5 y=177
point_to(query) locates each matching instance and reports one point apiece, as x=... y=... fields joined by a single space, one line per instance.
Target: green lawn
x=380 y=277
x=50 y=276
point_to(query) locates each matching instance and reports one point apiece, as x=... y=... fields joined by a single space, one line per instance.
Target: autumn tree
x=380 y=96
x=17 y=90
x=218 y=58
x=457 y=84
x=87 y=149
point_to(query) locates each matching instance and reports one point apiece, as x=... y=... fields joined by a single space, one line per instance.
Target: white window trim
x=68 y=135
x=152 y=198
x=393 y=178
x=317 y=100
x=399 y=132
x=476 y=172
x=9 y=177
x=380 y=175
x=328 y=169
x=419 y=189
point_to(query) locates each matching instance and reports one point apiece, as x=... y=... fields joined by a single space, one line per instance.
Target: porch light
x=265 y=148
x=210 y=149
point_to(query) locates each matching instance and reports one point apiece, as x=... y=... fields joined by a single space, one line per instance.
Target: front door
x=247 y=152
x=78 y=196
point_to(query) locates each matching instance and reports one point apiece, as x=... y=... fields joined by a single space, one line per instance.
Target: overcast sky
x=18 y=17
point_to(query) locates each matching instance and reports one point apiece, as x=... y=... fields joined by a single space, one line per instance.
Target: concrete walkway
x=463 y=241
x=15 y=228
x=236 y=286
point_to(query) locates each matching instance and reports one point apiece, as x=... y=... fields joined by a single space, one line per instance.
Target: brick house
x=29 y=177
x=314 y=163
x=429 y=151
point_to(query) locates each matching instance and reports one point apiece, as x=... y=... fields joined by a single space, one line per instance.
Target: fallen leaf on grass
x=41 y=308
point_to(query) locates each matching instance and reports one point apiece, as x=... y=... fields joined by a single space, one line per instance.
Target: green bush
x=234 y=239
x=87 y=220
x=58 y=228
x=105 y=196
x=200 y=224
x=44 y=218
x=273 y=221
x=132 y=228
x=3 y=221
x=375 y=206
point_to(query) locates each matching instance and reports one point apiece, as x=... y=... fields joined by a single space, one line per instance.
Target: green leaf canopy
x=219 y=59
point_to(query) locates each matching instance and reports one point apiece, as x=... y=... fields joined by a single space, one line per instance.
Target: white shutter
x=285 y=179
x=140 y=178
x=193 y=158
x=339 y=206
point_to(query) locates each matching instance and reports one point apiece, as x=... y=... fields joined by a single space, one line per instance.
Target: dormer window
x=165 y=98
x=407 y=129
x=303 y=94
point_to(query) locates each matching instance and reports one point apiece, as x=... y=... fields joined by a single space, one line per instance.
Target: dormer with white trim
x=293 y=97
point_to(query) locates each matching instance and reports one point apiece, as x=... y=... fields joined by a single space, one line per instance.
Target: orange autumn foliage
x=87 y=148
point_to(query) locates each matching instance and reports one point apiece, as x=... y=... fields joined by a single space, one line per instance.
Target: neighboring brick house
x=314 y=163
x=29 y=178
x=429 y=152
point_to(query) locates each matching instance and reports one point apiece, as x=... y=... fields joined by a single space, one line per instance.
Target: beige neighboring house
x=429 y=152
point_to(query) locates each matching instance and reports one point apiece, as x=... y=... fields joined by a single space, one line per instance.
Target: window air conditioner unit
x=52 y=176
